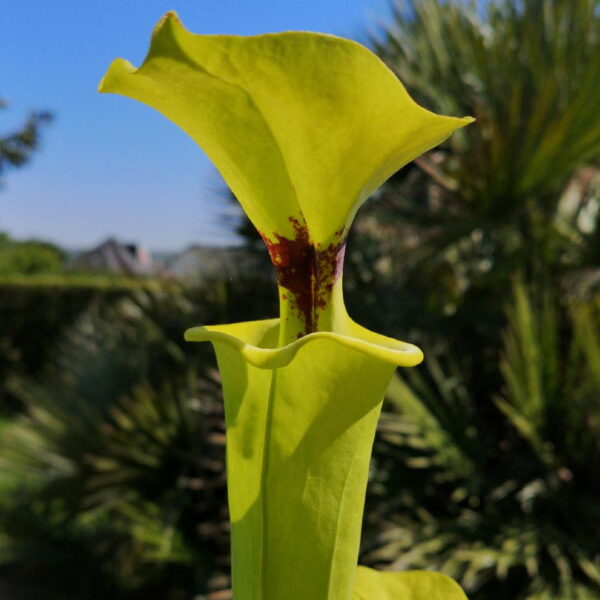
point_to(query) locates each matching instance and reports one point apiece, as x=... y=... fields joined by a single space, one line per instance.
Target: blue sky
x=110 y=165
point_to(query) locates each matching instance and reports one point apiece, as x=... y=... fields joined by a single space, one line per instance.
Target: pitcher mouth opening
x=256 y=341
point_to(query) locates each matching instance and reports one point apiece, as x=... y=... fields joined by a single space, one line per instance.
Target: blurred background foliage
x=486 y=251
x=17 y=147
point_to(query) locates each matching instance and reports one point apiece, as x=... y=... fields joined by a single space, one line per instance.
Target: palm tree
x=509 y=505
x=113 y=481
x=516 y=190
x=483 y=466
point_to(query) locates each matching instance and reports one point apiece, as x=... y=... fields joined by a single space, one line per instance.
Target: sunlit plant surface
x=303 y=127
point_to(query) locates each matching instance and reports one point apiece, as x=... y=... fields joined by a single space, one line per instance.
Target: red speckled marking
x=307 y=271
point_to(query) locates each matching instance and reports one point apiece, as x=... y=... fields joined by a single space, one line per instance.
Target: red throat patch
x=306 y=270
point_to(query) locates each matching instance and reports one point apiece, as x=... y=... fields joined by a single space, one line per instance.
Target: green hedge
x=34 y=311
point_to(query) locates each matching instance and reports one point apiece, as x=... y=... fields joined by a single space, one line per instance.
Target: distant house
x=117 y=258
x=208 y=262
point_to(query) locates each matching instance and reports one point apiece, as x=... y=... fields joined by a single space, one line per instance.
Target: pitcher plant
x=303 y=127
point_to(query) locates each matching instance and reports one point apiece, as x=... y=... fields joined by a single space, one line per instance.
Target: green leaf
x=408 y=585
